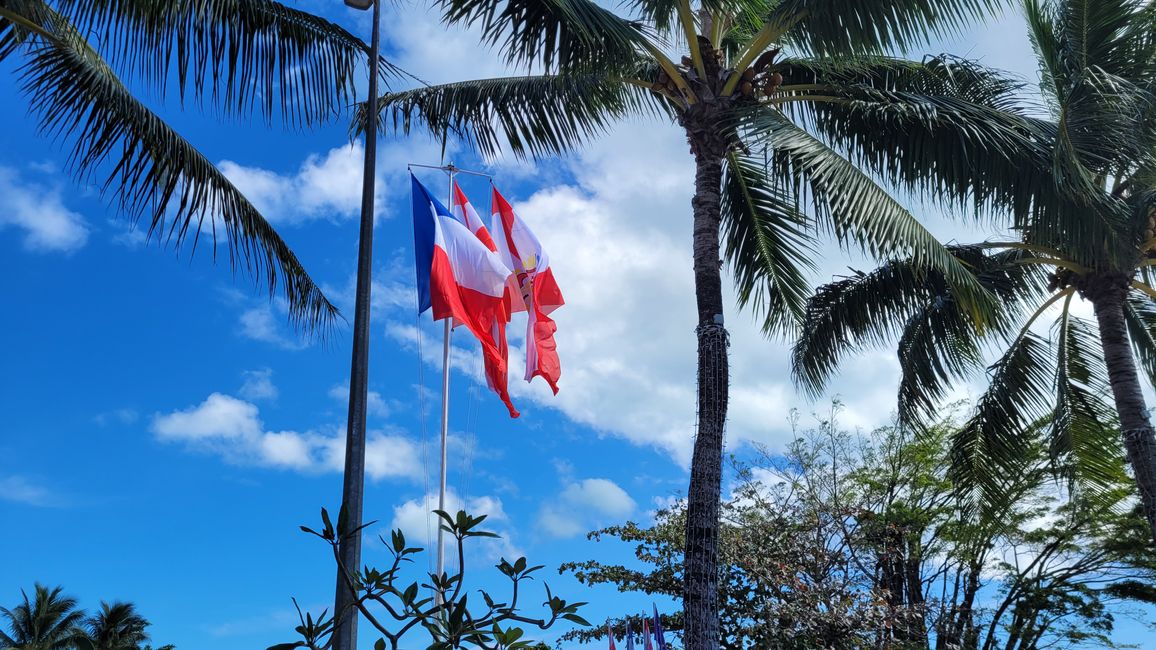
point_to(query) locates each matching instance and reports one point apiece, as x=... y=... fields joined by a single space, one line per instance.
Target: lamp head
x=359 y=4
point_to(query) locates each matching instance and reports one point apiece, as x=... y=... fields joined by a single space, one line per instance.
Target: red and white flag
x=539 y=293
x=466 y=213
x=462 y=279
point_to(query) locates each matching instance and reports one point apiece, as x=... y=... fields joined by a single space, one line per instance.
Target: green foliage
x=440 y=607
x=52 y=621
x=238 y=56
x=850 y=541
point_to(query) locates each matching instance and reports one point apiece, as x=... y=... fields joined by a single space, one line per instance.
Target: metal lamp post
x=353 y=487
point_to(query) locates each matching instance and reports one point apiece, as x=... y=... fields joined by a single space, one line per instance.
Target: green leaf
x=156 y=174
x=769 y=244
x=535 y=116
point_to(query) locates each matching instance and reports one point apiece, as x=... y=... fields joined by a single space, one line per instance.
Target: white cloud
x=323 y=187
x=19 y=489
x=267 y=323
x=417 y=522
x=232 y=428
x=583 y=505
x=258 y=385
x=39 y=211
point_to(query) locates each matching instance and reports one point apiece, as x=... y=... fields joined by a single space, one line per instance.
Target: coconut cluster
x=761 y=79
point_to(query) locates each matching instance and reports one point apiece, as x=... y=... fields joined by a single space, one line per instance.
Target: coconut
x=747 y=88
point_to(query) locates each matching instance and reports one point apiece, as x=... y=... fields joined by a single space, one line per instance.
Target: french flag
x=461 y=279
x=538 y=291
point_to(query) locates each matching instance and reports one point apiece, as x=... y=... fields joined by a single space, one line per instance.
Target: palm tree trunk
x=1139 y=436
x=700 y=576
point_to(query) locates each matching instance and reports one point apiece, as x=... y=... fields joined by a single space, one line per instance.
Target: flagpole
x=449 y=169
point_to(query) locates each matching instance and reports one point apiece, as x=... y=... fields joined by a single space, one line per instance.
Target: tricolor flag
x=646 y=645
x=540 y=295
x=629 y=637
x=659 y=637
x=610 y=635
x=461 y=279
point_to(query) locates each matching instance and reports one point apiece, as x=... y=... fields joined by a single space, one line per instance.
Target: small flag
x=540 y=295
x=629 y=637
x=659 y=637
x=610 y=635
x=461 y=279
x=646 y=645
x=466 y=213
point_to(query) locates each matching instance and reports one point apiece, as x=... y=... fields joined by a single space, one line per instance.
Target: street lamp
x=353 y=485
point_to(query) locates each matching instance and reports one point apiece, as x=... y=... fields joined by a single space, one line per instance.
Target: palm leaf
x=941 y=127
x=536 y=115
x=855 y=208
x=768 y=244
x=1140 y=316
x=560 y=35
x=996 y=442
x=840 y=27
x=240 y=54
x=1083 y=444
x=852 y=314
x=154 y=172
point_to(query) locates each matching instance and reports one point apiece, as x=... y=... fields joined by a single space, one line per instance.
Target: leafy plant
x=439 y=607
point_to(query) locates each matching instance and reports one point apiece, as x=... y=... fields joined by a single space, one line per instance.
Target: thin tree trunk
x=700 y=576
x=1139 y=436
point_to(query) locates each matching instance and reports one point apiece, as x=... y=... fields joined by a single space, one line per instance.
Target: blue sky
x=165 y=432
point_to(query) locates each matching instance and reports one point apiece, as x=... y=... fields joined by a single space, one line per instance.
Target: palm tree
x=49 y=621
x=778 y=100
x=1093 y=236
x=241 y=56
x=117 y=627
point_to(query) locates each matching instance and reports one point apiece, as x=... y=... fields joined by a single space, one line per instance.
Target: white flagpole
x=450 y=169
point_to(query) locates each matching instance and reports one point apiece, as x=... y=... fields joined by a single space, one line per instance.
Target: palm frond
x=839 y=27
x=154 y=172
x=856 y=208
x=536 y=115
x=852 y=314
x=1083 y=445
x=996 y=442
x=943 y=128
x=572 y=36
x=1140 y=316
x=239 y=54
x=768 y=244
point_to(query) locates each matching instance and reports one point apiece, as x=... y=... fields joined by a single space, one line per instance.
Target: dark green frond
x=663 y=16
x=840 y=27
x=858 y=312
x=536 y=115
x=996 y=442
x=855 y=208
x=239 y=54
x=154 y=173
x=1140 y=315
x=1084 y=445
x=768 y=245
x=944 y=128
x=560 y=35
